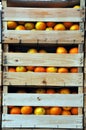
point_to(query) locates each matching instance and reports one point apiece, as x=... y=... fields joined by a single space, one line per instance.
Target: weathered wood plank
x=13 y=99
x=51 y=37
x=31 y=78
x=42 y=121
x=42 y=14
x=45 y=59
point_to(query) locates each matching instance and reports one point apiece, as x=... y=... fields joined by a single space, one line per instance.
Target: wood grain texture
x=41 y=121
x=42 y=37
x=52 y=79
x=13 y=99
x=42 y=14
x=47 y=59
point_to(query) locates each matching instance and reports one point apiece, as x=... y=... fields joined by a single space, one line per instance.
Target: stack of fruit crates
x=44 y=80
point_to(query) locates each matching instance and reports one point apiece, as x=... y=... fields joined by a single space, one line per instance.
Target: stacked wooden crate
x=13 y=79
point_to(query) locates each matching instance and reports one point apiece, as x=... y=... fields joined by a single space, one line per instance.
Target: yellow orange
x=11 y=24
x=39 y=111
x=64 y=91
x=26 y=110
x=77 y=6
x=51 y=69
x=32 y=50
x=20 y=69
x=75 y=27
x=61 y=50
x=20 y=27
x=59 y=26
x=40 y=25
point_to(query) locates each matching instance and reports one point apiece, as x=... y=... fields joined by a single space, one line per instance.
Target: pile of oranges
x=52 y=69
x=39 y=25
x=45 y=110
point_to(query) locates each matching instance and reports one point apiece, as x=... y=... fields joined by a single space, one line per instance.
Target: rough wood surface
x=51 y=37
x=47 y=59
x=42 y=121
x=42 y=14
x=13 y=99
x=52 y=79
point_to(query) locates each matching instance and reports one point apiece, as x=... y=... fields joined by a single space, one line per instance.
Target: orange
x=40 y=90
x=11 y=24
x=64 y=91
x=11 y=70
x=42 y=51
x=61 y=50
x=20 y=27
x=47 y=111
x=75 y=27
x=29 y=26
x=20 y=69
x=50 y=91
x=55 y=110
x=40 y=25
x=66 y=108
x=59 y=26
x=15 y=110
x=67 y=24
x=30 y=68
x=10 y=107
x=26 y=110
x=51 y=69
x=74 y=70
x=74 y=111
x=51 y=24
x=49 y=28
x=39 y=69
x=32 y=50
x=62 y=70
x=64 y=112
x=76 y=6
x=73 y=50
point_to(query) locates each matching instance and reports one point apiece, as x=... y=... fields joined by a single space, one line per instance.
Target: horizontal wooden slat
x=31 y=78
x=45 y=59
x=51 y=37
x=42 y=121
x=42 y=14
x=14 y=99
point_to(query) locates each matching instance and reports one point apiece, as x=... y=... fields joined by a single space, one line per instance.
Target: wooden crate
x=42 y=14
x=43 y=79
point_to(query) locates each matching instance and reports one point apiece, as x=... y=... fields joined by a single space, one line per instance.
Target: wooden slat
x=42 y=14
x=47 y=59
x=51 y=37
x=13 y=99
x=31 y=78
x=42 y=121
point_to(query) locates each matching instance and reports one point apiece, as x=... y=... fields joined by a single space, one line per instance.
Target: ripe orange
x=20 y=27
x=39 y=69
x=32 y=50
x=67 y=24
x=75 y=27
x=66 y=108
x=76 y=6
x=55 y=111
x=50 y=91
x=20 y=69
x=61 y=50
x=30 y=68
x=15 y=110
x=11 y=24
x=74 y=70
x=65 y=112
x=64 y=91
x=40 y=90
x=42 y=51
x=73 y=50
x=40 y=25
x=51 y=24
x=62 y=70
x=51 y=69
x=59 y=26
x=26 y=110
x=11 y=69
x=74 y=111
